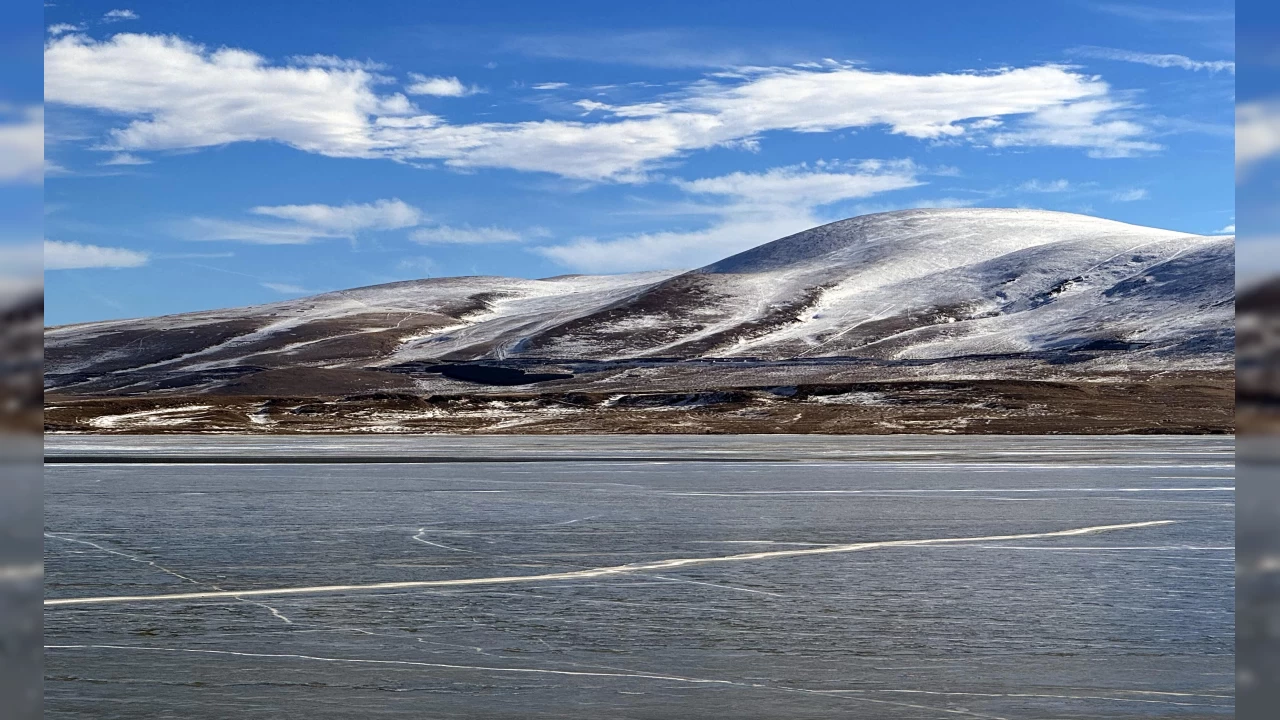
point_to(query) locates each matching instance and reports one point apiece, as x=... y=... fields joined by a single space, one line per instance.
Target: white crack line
x=536 y=671
x=594 y=572
x=135 y=558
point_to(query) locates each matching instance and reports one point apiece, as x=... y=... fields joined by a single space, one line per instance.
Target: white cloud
x=1129 y=195
x=74 y=256
x=807 y=187
x=638 y=137
x=1161 y=60
x=754 y=208
x=438 y=86
x=118 y=15
x=185 y=96
x=1100 y=127
x=918 y=106
x=590 y=106
x=333 y=61
x=126 y=159
x=1257 y=133
x=57 y=29
x=1053 y=186
x=1083 y=189
x=1228 y=230
x=302 y=224
x=550 y=86
x=467 y=235
x=257 y=233
x=348 y=220
x=176 y=94
x=22 y=144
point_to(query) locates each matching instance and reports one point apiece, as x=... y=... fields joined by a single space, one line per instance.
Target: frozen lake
x=696 y=577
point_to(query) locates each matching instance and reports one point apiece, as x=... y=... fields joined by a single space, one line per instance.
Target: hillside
x=933 y=295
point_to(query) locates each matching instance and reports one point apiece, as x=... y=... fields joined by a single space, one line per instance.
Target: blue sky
x=21 y=195
x=1258 y=149
x=205 y=155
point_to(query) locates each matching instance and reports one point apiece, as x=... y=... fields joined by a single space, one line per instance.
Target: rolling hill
x=992 y=295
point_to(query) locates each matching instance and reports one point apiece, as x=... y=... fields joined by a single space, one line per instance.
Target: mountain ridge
x=993 y=294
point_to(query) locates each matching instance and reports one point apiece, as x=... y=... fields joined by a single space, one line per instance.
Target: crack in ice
x=422 y=531
x=168 y=571
x=597 y=572
x=536 y=671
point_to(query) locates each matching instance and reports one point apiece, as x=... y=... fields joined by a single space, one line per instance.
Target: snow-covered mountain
x=909 y=285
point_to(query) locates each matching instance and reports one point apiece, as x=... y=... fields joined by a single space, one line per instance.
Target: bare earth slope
x=922 y=296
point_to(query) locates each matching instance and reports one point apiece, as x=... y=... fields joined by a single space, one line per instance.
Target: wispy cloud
x=76 y=256
x=1129 y=195
x=333 y=61
x=57 y=29
x=300 y=224
x=748 y=209
x=1147 y=13
x=126 y=159
x=119 y=15
x=550 y=86
x=1160 y=60
x=808 y=186
x=348 y=219
x=257 y=233
x=230 y=95
x=467 y=235
x=1102 y=128
x=439 y=86
x=304 y=223
x=1074 y=190
x=1050 y=186
x=1165 y=125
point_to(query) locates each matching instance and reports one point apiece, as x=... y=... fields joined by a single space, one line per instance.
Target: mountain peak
x=958 y=234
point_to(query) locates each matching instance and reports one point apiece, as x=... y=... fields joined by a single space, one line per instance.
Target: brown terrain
x=1161 y=402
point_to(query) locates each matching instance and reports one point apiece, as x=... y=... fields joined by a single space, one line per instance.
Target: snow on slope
x=954 y=281
x=1115 y=285
x=913 y=284
x=326 y=329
